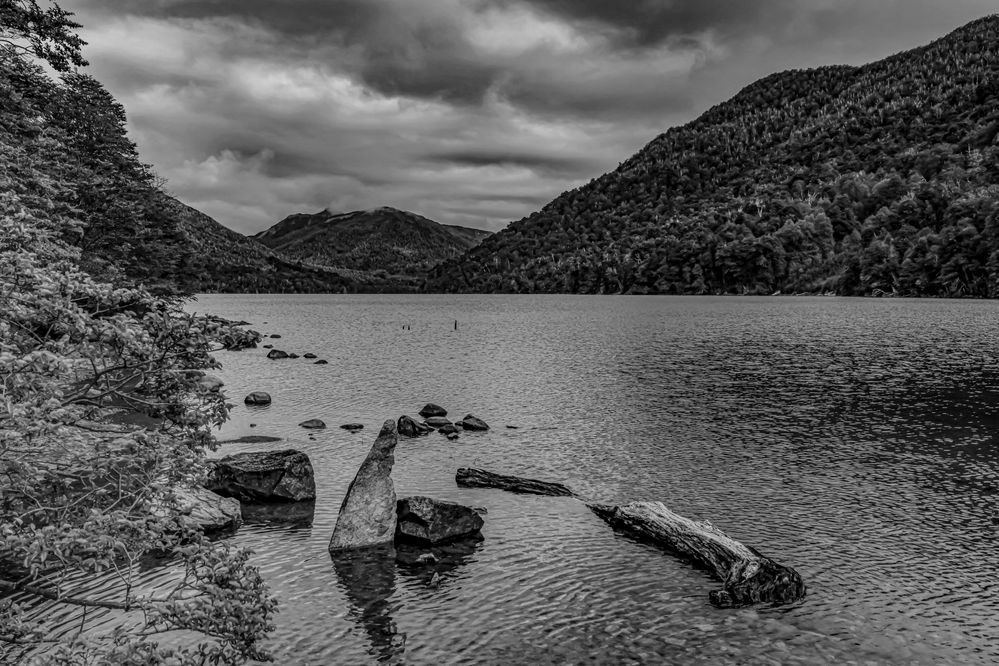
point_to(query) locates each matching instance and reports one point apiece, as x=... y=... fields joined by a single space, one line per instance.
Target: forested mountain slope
x=879 y=179
x=386 y=241
x=71 y=133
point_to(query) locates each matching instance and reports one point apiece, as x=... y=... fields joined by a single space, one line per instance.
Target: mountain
x=879 y=179
x=218 y=259
x=382 y=241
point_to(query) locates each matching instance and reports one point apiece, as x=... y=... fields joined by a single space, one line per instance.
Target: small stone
x=275 y=354
x=309 y=355
x=472 y=423
x=257 y=398
x=453 y=436
x=268 y=346
x=435 y=580
x=292 y=355
x=253 y=425
x=321 y=361
x=427 y=558
x=430 y=409
x=409 y=427
x=448 y=429
x=512 y=427
x=353 y=427
x=275 y=336
x=314 y=424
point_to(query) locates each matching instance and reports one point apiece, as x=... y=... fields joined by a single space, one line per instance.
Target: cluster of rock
x=371 y=514
x=277 y=354
x=435 y=418
x=265 y=477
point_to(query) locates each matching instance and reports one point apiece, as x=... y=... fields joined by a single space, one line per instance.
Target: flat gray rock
x=438 y=422
x=368 y=512
x=265 y=476
x=210 y=511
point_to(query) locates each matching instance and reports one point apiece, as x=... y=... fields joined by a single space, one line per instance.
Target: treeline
x=882 y=179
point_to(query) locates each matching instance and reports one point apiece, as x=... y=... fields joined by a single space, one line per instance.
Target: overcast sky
x=471 y=112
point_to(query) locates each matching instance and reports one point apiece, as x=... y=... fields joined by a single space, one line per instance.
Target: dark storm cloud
x=538 y=162
x=470 y=112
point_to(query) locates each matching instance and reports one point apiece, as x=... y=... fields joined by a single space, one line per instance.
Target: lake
x=855 y=440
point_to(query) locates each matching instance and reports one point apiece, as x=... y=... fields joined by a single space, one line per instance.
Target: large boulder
x=276 y=354
x=211 y=512
x=410 y=427
x=430 y=409
x=368 y=512
x=264 y=476
x=258 y=398
x=427 y=520
x=210 y=383
x=472 y=423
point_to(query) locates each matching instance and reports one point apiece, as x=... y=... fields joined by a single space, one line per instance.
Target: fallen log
x=468 y=477
x=748 y=577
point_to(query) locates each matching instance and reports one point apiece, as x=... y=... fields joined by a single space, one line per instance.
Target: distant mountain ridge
x=383 y=241
x=880 y=179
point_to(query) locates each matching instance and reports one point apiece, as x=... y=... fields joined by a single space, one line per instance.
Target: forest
x=880 y=180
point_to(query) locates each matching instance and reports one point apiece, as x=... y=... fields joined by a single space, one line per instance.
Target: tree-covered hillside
x=382 y=242
x=881 y=179
x=71 y=132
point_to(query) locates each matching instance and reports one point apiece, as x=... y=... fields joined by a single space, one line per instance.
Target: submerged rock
x=472 y=423
x=258 y=398
x=452 y=436
x=308 y=355
x=265 y=476
x=438 y=422
x=275 y=354
x=313 y=424
x=448 y=429
x=424 y=519
x=430 y=409
x=210 y=383
x=410 y=427
x=368 y=512
x=321 y=361
x=353 y=427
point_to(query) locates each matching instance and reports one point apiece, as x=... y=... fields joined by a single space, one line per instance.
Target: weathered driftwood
x=477 y=478
x=748 y=577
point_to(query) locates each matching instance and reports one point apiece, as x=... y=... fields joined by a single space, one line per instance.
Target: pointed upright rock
x=368 y=513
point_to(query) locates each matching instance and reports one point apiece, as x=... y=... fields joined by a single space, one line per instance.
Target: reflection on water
x=855 y=440
x=367 y=578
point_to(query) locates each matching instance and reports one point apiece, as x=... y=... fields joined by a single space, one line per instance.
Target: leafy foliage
x=84 y=496
x=879 y=179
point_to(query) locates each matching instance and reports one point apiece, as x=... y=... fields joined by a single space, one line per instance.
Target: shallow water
x=855 y=440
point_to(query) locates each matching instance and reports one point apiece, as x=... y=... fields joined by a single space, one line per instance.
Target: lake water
x=855 y=440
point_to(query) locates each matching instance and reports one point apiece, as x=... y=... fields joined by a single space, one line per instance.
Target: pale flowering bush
x=77 y=497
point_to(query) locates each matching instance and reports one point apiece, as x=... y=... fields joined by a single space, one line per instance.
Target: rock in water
x=438 y=422
x=313 y=424
x=258 y=398
x=308 y=355
x=448 y=429
x=368 y=513
x=472 y=423
x=430 y=409
x=276 y=354
x=409 y=427
x=209 y=510
x=210 y=383
x=433 y=521
x=353 y=427
x=264 y=476
x=321 y=361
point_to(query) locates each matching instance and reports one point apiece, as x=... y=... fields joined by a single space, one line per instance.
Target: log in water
x=478 y=478
x=748 y=577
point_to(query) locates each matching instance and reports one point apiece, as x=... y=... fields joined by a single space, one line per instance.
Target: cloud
x=472 y=112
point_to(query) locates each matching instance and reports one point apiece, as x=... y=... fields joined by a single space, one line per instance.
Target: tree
x=46 y=33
